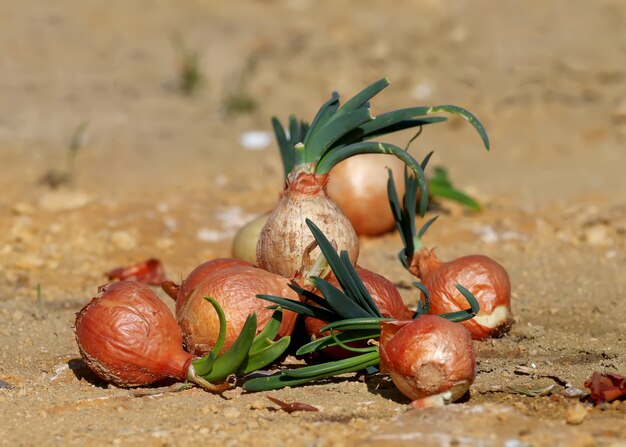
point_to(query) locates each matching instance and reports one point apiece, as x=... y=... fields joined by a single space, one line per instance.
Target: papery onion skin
x=128 y=336
x=486 y=279
x=384 y=294
x=200 y=273
x=285 y=236
x=428 y=356
x=359 y=186
x=235 y=288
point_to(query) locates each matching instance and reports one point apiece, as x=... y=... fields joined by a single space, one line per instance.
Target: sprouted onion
x=233 y=283
x=310 y=152
x=353 y=317
x=486 y=279
x=384 y=295
x=127 y=336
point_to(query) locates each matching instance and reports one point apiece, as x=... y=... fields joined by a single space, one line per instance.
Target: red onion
x=487 y=280
x=234 y=287
x=428 y=358
x=128 y=336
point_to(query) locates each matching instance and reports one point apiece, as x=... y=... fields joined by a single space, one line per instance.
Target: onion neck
x=424 y=262
x=304 y=181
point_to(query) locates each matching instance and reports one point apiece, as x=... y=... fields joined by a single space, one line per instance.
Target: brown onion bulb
x=200 y=273
x=428 y=358
x=487 y=280
x=235 y=288
x=285 y=236
x=384 y=294
x=128 y=337
x=359 y=186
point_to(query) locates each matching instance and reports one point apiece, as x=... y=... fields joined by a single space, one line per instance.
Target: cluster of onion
x=429 y=358
x=128 y=336
x=309 y=154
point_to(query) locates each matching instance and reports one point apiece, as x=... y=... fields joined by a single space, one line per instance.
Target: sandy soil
x=164 y=174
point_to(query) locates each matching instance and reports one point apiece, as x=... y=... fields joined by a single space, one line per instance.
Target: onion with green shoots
x=353 y=316
x=310 y=152
x=485 y=278
x=127 y=336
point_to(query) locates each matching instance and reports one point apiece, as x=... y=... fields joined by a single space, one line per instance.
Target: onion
x=247 y=238
x=285 y=236
x=385 y=296
x=197 y=275
x=430 y=360
x=128 y=336
x=487 y=280
x=359 y=186
x=234 y=287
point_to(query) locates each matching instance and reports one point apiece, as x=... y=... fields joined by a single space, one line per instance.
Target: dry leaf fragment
x=149 y=272
x=605 y=387
x=293 y=406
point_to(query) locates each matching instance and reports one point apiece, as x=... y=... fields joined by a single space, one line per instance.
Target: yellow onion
x=128 y=336
x=235 y=288
x=430 y=359
x=486 y=279
x=359 y=186
x=285 y=236
x=246 y=239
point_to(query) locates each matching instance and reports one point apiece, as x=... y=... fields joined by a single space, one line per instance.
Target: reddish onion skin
x=487 y=280
x=285 y=236
x=359 y=186
x=129 y=337
x=428 y=356
x=199 y=274
x=235 y=288
x=385 y=296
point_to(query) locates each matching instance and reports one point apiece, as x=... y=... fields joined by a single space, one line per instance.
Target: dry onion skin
x=285 y=236
x=234 y=287
x=127 y=336
x=179 y=293
x=430 y=359
x=359 y=186
x=485 y=278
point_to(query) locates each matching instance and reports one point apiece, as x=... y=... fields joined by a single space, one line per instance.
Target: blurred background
x=164 y=90
x=139 y=129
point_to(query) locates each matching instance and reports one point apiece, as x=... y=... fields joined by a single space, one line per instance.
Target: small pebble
x=258 y=405
x=576 y=414
x=209 y=409
x=231 y=413
x=597 y=235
